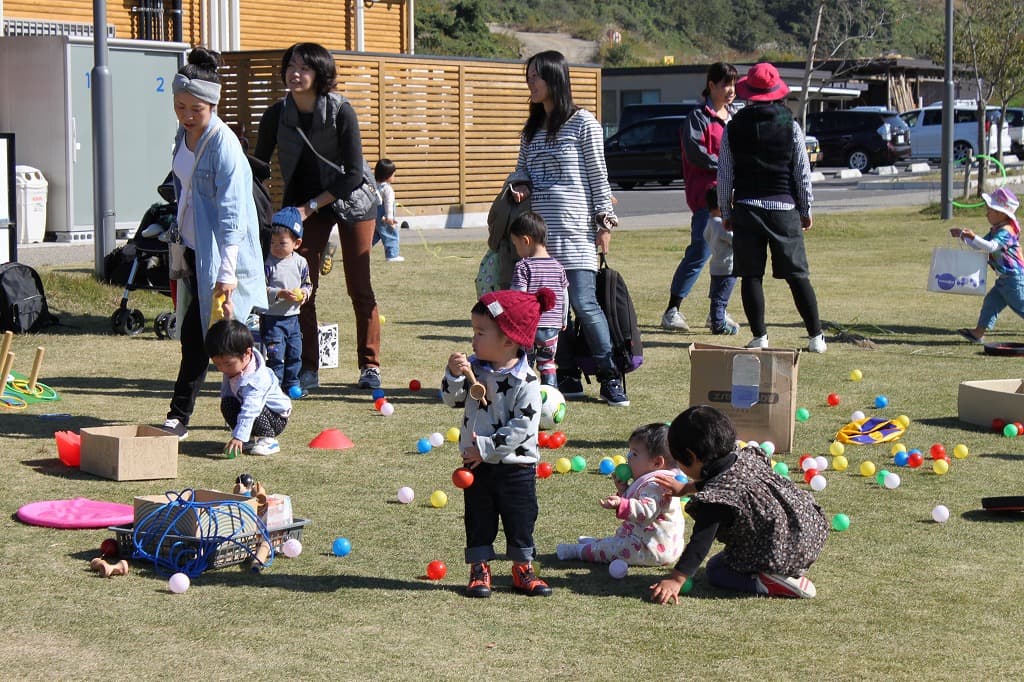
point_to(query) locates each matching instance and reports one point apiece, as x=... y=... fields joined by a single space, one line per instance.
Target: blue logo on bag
x=947 y=281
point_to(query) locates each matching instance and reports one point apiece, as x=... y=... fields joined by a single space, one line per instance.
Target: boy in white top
x=719 y=242
x=386 y=232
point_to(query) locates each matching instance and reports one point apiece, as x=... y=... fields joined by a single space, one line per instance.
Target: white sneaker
x=787 y=586
x=175 y=427
x=758 y=342
x=673 y=320
x=396 y=259
x=816 y=344
x=266 y=445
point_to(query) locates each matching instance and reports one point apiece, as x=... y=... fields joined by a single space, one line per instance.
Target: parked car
x=860 y=138
x=926 y=130
x=1015 y=121
x=650 y=150
x=634 y=113
x=813 y=149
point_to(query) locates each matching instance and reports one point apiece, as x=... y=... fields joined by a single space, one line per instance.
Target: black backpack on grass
x=627 y=348
x=23 y=305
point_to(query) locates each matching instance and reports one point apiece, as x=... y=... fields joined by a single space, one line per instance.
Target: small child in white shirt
x=387 y=232
x=719 y=241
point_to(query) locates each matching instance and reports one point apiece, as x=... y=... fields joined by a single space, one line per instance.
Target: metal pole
x=103 y=141
x=947 y=120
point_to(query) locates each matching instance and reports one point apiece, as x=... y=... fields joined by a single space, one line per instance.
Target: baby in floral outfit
x=652 y=530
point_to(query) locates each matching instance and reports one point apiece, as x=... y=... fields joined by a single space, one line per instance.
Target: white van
x=926 y=130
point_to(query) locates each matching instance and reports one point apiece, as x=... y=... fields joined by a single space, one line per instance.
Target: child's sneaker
x=176 y=427
x=395 y=259
x=266 y=446
x=524 y=580
x=728 y=329
x=479 y=580
x=787 y=586
x=709 y=323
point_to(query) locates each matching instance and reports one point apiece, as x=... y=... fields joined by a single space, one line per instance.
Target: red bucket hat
x=762 y=84
x=517 y=313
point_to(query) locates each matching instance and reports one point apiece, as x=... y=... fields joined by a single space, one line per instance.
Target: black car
x=650 y=150
x=634 y=113
x=860 y=138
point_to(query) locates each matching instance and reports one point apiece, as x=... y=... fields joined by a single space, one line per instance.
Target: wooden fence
x=450 y=125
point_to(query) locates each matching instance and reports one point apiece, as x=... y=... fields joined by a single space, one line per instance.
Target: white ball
x=387 y=409
x=892 y=481
x=820 y=462
x=856 y=416
x=406 y=495
x=618 y=569
x=818 y=483
x=291 y=548
x=809 y=463
x=753 y=444
x=436 y=439
x=552 y=407
x=768 y=448
x=178 y=583
x=940 y=514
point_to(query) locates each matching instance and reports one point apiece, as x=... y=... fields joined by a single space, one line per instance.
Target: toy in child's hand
x=233 y=448
x=623 y=472
x=477 y=391
x=462 y=478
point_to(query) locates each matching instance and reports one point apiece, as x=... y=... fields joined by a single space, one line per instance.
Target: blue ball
x=377 y=393
x=295 y=392
x=423 y=446
x=341 y=547
x=881 y=401
x=682 y=478
x=606 y=466
x=900 y=459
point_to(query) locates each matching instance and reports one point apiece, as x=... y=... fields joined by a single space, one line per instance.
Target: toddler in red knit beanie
x=517 y=312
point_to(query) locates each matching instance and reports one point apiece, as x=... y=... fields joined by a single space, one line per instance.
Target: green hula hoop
x=1002 y=170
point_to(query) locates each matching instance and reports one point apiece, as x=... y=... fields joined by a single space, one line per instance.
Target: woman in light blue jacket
x=218 y=225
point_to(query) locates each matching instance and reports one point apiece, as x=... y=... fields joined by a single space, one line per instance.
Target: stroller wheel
x=136 y=322
x=172 y=326
x=127 y=322
x=160 y=325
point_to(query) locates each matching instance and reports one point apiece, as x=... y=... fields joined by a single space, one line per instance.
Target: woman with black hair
x=329 y=123
x=561 y=168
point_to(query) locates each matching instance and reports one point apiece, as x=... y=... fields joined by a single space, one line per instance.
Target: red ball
x=833 y=399
x=802 y=458
x=1020 y=427
x=436 y=570
x=462 y=478
x=998 y=424
x=415 y=385
x=544 y=470
x=915 y=460
x=809 y=474
x=937 y=451
x=109 y=548
x=556 y=440
x=542 y=439
x=378 y=402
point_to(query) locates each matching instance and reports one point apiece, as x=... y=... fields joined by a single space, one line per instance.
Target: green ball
x=840 y=522
x=781 y=468
x=579 y=463
x=687 y=586
x=880 y=476
x=623 y=472
x=1010 y=430
x=803 y=414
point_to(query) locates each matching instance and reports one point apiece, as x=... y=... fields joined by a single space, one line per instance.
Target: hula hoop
x=1006 y=350
x=12 y=402
x=1002 y=170
x=42 y=392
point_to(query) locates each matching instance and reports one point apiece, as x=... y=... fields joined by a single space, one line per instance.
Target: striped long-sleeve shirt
x=569 y=187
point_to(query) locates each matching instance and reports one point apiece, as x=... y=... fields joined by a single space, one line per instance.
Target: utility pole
x=104 y=234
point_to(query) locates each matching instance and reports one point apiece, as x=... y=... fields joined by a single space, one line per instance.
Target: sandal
x=969 y=335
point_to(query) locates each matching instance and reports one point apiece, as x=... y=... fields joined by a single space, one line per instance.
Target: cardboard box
x=328 y=337
x=222 y=521
x=772 y=416
x=129 y=453
x=979 y=402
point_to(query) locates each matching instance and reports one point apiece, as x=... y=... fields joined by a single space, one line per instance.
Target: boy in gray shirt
x=288 y=286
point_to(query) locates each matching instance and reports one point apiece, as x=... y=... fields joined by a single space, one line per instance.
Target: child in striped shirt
x=537 y=269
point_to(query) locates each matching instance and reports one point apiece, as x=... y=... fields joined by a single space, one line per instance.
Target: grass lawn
x=898 y=595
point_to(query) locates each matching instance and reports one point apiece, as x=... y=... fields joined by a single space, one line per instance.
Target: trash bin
x=31 y=189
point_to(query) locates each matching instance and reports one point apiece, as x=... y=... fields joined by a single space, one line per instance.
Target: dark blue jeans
x=719 y=293
x=720 y=574
x=695 y=256
x=283 y=340
x=501 y=491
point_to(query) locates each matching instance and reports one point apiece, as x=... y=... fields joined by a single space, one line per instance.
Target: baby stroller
x=145 y=258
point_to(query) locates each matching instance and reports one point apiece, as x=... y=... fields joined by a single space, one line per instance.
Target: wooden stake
x=5 y=348
x=36 y=364
x=5 y=372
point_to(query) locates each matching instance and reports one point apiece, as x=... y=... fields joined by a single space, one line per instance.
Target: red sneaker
x=787 y=586
x=479 y=580
x=524 y=580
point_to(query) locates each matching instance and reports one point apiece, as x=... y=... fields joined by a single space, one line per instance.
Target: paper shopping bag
x=957 y=271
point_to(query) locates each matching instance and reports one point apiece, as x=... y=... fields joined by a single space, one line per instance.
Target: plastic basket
x=227 y=553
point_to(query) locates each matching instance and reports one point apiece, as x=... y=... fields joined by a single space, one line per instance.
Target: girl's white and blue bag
x=958 y=271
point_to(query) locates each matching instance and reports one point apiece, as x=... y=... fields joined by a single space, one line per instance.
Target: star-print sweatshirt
x=505 y=431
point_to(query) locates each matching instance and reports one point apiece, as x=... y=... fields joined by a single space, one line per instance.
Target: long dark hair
x=553 y=70
x=718 y=72
x=316 y=57
x=202 y=65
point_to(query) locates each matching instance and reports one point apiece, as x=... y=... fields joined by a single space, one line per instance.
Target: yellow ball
x=899 y=447
x=856 y=375
x=867 y=469
x=836 y=448
x=563 y=465
x=438 y=499
x=903 y=420
x=940 y=466
x=452 y=435
x=961 y=451
x=382 y=318
x=740 y=444
x=619 y=459
x=839 y=463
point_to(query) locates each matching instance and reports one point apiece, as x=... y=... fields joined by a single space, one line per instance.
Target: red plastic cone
x=331 y=439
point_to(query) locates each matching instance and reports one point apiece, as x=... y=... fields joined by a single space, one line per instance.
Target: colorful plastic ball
x=379 y=403
x=914 y=459
x=880 y=476
x=291 y=548
x=808 y=463
x=544 y=470
x=867 y=469
x=563 y=465
x=682 y=478
x=821 y=462
x=452 y=434
x=619 y=459
x=436 y=570
x=832 y=399
x=423 y=446
x=406 y=495
x=543 y=439
x=809 y=474
x=578 y=463
x=802 y=414
x=1010 y=430
x=178 y=583
x=998 y=424
x=109 y=548
x=438 y=499
x=751 y=444
x=940 y=466
x=840 y=522
x=940 y=514
x=623 y=472
x=903 y=420
x=898 y=447
x=436 y=440
x=462 y=478
x=781 y=468
x=768 y=448
x=387 y=409
x=618 y=569
x=856 y=416
x=802 y=459
x=415 y=385
x=892 y=481
x=937 y=451
x=900 y=459
x=556 y=440
x=961 y=451
x=377 y=393
x=341 y=547
x=818 y=483
x=380 y=316
x=687 y=587
x=295 y=392
x=836 y=448
x=856 y=375
x=881 y=401
x=1020 y=427
x=606 y=466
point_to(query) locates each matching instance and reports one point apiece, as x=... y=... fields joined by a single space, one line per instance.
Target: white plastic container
x=31 y=188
